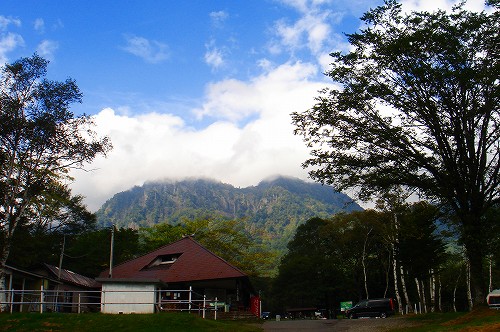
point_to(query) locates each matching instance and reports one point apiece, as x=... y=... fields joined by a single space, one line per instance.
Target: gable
x=72 y=277
x=181 y=261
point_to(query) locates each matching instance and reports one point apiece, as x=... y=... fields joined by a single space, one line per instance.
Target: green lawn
x=101 y=322
x=480 y=319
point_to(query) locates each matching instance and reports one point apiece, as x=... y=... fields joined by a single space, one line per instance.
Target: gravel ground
x=341 y=325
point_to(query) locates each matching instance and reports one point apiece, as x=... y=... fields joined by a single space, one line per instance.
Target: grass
x=100 y=322
x=480 y=319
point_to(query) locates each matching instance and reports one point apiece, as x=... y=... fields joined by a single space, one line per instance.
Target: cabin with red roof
x=161 y=280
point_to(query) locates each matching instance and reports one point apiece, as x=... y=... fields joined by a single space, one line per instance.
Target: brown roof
x=192 y=262
x=72 y=277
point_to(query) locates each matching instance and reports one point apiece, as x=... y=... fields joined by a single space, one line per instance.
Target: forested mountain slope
x=274 y=208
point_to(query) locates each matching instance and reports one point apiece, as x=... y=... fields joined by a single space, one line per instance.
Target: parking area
x=349 y=325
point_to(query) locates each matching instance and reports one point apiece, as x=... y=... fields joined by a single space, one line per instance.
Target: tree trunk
x=455 y=292
x=403 y=285
x=440 y=307
x=419 y=294
x=432 y=291
x=401 y=271
x=364 y=265
x=472 y=239
x=3 y=261
x=387 y=273
x=395 y=272
x=490 y=285
x=424 y=301
x=470 y=301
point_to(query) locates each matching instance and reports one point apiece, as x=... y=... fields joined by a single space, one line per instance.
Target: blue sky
x=189 y=88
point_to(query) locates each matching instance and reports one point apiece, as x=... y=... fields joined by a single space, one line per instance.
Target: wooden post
x=190 y=296
x=11 y=300
x=21 y=306
x=41 y=299
x=215 y=312
x=204 y=305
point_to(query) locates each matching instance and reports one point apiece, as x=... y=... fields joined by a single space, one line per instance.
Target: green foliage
x=40 y=141
x=271 y=211
x=419 y=231
x=89 y=253
x=419 y=109
x=38 y=237
x=324 y=262
x=85 y=252
x=226 y=238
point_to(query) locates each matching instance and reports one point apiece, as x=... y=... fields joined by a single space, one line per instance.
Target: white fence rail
x=78 y=301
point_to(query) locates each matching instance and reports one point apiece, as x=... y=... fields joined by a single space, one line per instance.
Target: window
x=164 y=261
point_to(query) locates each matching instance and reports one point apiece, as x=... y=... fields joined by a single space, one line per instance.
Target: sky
x=192 y=88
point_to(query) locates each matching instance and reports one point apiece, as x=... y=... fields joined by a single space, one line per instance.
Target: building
x=73 y=292
x=46 y=289
x=163 y=278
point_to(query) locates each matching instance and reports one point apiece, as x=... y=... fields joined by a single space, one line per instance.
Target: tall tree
x=418 y=107
x=40 y=141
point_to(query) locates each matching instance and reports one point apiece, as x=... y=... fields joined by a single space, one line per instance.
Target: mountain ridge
x=277 y=206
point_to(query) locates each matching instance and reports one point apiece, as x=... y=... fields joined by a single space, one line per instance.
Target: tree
x=39 y=236
x=226 y=238
x=40 y=141
x=303 y=274
x=418 y=108
x=324 y=261
x=88 y=253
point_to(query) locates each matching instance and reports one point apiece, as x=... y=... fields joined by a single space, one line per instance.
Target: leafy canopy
x=418 y=107
x=40 y=141
x=226 y=238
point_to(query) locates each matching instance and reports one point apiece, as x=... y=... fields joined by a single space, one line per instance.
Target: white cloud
x=6 y=21
x=161 y=145
x=235 y=100
x=47 y=48
x=218 y=18
x=432 y=5
x=312 y=31
x=151 y=51
x=214 y=56
x=8 y=42
x=39 y=25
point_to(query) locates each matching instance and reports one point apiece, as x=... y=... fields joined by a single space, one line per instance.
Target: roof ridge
x=186 y=245
x=145 y=254
x=217 y=256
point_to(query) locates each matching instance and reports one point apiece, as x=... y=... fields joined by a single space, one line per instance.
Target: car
x=265 y=315
x=493 y=299
x=371 y=308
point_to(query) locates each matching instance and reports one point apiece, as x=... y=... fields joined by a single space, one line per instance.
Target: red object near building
x=255 y=305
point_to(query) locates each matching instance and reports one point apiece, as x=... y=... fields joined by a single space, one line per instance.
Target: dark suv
x=371 y=308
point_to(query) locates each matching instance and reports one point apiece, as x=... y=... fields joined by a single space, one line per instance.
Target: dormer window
x=163 y=261
x=168 y=259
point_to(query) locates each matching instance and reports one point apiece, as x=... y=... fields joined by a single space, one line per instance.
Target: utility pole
x=111 y=251
x=61 y=258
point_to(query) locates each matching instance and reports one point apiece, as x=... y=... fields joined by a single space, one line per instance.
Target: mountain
x=276 y=206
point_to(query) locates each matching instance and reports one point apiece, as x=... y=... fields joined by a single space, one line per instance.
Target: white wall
x=128 y=298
